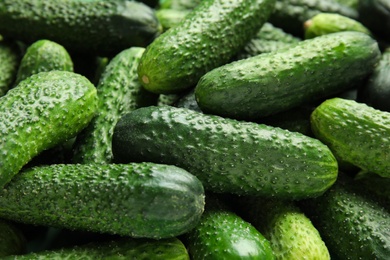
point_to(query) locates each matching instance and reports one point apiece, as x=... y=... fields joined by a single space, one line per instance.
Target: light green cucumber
x=228 y=156
x=170 y=17
x=119 y=92
x=43 y=55
x=273 y=82
x=10 y=56
x=206 y=38
x=139 y=200
x=41 y=112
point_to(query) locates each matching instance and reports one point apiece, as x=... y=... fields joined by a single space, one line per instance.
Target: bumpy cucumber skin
x=352 y=226
x=356 y=133
x=273 y=82
x=97 y=27
x=119 y=92
x=290 y=15
x=138 y=200
x=208 y=37
x=291 y=233
x=41 y=112
x=43 y=55
x=10 y=57
x=125 y=248
x=325 y=23
x=228 y=156
x=12 y=240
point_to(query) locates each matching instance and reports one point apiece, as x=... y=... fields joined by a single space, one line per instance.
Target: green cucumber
x=290 y=15
x=325 y=23
x=124 y=248
x=179 y=4
x=170 y=17
x=41 y=112
x=291 y=233
x=12 y=240
x=352 y=225
x=43 y=55
x=139 y=200
x=350 y=3
x=96 y=27
x=208 y=37
x=222 y=234
x=167 y=99
x=227 y=155
x=274 y=82
x=356 y=133
x=188 y=101
x=10 y=58
x=119 y=92
x=374 y=14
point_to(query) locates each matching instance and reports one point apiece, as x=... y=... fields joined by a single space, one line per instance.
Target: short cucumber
x=43 y=55
x=10 y=56
x=206 y=38
x=124 y=248
x=273 y=82
x=139 y=200
x=227 y=155
x=119 y=92
x=41 y=112
x=12 y=240
x=356 y=133
x=96 y=27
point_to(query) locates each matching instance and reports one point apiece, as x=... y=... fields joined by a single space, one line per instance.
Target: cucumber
x=325 y=23
x=139 y=200
x=96 y=27
x=274 y=82
x=188 y=101
x=350 y=3
x=119 y=92
x=12 y=240
x=376 y=91
x=167 y=99
x=356 y=133
x=179 y=4
x=170 y=17
x=208 y=37
x=41 y=112
x=10 y=56
x=291 y=233
x=227 y=155
x=374 y=14
x=353 y=226
x=290 y=15
x=124 y=248
x=222 y=234
x=43 y=55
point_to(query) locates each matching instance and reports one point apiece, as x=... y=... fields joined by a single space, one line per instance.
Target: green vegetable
x=170 y=17
x=227 y=155
x=179 y=4
x=10 y=58
x=374 y=14
x=41 y=112
x=274 y=82
x=208 y=37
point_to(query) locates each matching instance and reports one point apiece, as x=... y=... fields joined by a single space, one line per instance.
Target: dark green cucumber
x=269 y=38
x=98 y=27
x=376 y=91
x=125 y=248
x=353 y=226
x=273 y=82
x=139 y=200
x=41 y=112
x=10 y=56
x=43 y=55
x=222 y=234
x=356 y=133
x=291 y=233
x=167 y=99
x=208 y=37
x=12 y=240
x=325 y=23
x=119 y=92
x=227 y=155
x=290 y=15
x=374 y=14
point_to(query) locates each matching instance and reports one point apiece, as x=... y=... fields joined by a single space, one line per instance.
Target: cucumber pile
x=194 y=129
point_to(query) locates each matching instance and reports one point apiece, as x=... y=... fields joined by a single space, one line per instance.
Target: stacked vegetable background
x=207 y=129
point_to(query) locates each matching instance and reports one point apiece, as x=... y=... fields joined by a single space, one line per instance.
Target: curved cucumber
x=227 y=155
x=43 y=55
x=119 y=92
x=41 y=112
x=206 y=38
x=356 y=133
x=273 y=82
x=139 y=200
x=97 y=27
x=10 y=58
